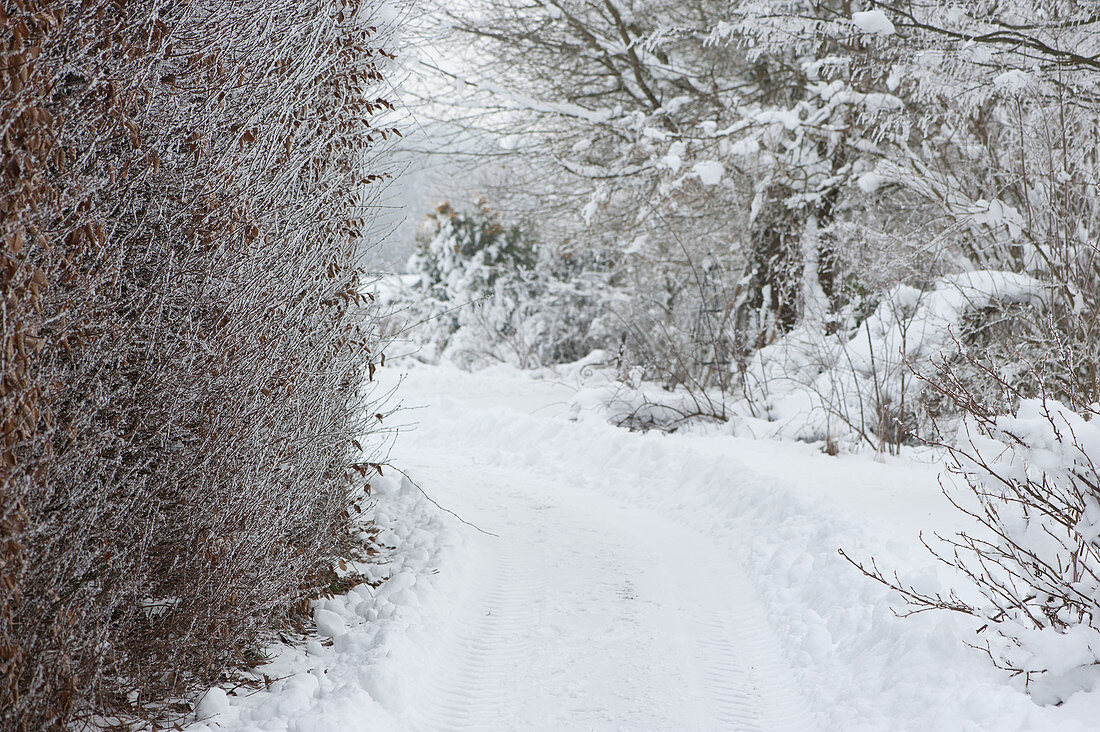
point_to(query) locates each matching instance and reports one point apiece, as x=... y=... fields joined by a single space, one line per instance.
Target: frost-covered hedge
x=182 y=190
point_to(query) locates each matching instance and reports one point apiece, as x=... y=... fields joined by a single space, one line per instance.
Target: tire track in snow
x=575 y=618
x=470 y=686
x=733 y=693
x=741 y=677
x=744 y=677
x=566 y=622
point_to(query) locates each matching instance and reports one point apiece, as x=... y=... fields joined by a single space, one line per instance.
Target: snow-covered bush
x=465 y=255
x=183 y=193
x=858 y=383
x=470 y=273
x=480 y=292
x=861 y=383
x=1030 y=482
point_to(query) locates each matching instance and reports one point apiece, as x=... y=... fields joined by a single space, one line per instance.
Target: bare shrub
x=1024 y=466
x=1030 y=560
x=183 y=339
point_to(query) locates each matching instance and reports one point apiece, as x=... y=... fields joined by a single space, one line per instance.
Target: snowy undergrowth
x=334 y=681
x=1030 y=480
x=854 y=389
x=858 y=386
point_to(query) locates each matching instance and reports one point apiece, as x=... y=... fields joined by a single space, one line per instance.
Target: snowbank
x=339 y=679
x=856 y=387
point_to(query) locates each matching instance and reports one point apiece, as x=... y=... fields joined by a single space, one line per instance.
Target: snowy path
x=575 y=623
x=636 y=582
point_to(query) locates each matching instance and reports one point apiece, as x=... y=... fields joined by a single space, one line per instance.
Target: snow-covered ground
x=586 y=577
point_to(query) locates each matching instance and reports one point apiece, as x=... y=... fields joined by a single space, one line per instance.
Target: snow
x=213 y=702
x=600 y=579
x=873 y=21
x=710 y=172
x=871 y=101
x=1014 y=80
x=745 y=146
x=328 y=622
x=565 y=109
x=345 y=681
x=788 y=118
x=996 y=213
x=870 y=182
x=674 y=158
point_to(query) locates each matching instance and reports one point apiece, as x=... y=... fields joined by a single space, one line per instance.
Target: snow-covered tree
x=722 y=159
x=484 y=292
x=466 y=254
